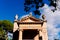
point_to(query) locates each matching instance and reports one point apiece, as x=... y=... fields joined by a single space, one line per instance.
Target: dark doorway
x=29 y=34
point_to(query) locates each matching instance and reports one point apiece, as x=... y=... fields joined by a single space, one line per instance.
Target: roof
x=30 y=19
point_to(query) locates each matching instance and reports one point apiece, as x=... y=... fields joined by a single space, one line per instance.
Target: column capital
x=20 y=29
x=39 y=29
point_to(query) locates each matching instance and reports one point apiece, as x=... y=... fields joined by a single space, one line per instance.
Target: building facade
x=30 y=28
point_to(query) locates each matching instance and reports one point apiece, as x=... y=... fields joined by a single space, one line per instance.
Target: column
x=20 y=34
x=44 y=31
x=44 y=28
x=40 y=33
x=15 y=26
x=36 y=37
x=45 y=35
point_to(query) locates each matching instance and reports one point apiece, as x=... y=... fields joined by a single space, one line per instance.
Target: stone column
x=36 y=37
x=44 y=35
x=15 y=26
x=44 y=28
x=20 y=34
x=15 y=23
x=40 y=32
x=44 y=31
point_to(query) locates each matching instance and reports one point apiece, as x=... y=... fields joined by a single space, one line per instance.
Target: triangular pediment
x=30 y=19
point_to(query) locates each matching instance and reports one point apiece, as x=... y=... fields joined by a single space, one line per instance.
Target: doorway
x=29 y=34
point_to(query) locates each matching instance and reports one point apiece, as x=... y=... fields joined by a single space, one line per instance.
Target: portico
x=31 y=28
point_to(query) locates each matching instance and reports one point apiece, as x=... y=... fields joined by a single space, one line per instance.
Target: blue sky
x=9 y=8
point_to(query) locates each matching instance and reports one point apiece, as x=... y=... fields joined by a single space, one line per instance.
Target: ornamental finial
x=30 y=14
x=43 y=17
x=16 y=17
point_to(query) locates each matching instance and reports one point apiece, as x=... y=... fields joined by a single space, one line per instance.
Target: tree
x=53 y=3
x=1 y=33
x=5 y=26
x=29 y=5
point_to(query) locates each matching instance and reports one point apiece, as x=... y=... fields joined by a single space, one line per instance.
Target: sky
x=9 y=8
x=53 y=22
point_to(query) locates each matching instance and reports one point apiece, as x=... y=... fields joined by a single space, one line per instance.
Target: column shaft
x=36 y=37
x=40 y=33
x=44 y=36
x=20 y=35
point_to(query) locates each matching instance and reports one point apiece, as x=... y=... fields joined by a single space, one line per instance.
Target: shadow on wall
x=16 y=35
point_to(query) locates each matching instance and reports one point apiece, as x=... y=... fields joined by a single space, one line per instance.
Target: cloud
x=53 y=19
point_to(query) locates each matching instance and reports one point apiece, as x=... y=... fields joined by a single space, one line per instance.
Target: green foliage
x=5 y=26
x=1 y=32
